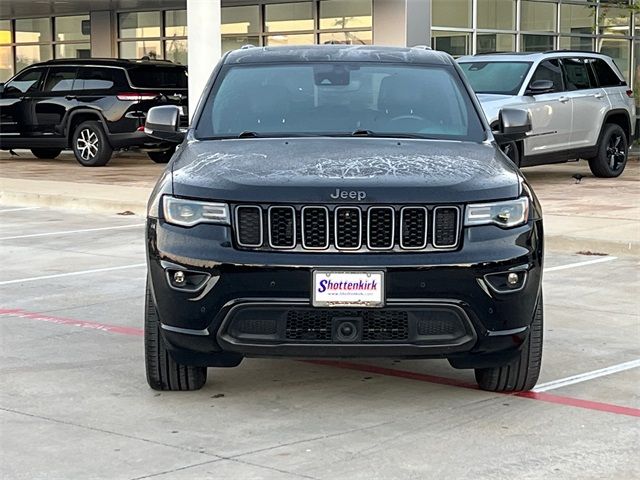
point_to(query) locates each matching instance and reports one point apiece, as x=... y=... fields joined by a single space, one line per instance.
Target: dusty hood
x=311 y=169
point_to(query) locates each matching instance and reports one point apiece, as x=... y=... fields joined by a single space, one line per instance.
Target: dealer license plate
x=339 y=289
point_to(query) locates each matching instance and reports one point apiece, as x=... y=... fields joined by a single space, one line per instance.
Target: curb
x=564 y=243
x=71 y=203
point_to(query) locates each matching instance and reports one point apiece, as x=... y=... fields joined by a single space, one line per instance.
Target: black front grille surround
x=347 y=228
x=249 y=226
x=281 y=222
x=315 y=227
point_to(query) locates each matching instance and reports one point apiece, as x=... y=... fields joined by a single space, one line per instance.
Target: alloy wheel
x=87 y=144
x=615 y=153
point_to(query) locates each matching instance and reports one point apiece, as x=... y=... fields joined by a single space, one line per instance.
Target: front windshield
x=504 y=78
x=339 y=98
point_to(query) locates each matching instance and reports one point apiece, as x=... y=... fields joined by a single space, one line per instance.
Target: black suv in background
x=93 y=106
x=342 y=201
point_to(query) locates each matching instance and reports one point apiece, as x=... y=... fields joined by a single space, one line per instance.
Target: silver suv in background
x=580 y=105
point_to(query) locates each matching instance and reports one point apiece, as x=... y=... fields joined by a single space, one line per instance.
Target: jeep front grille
x=347 y=228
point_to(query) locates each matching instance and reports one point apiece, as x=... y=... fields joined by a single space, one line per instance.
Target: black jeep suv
x=340 y=201
x=93 y=106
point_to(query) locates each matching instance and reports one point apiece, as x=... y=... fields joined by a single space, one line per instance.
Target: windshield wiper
x=248 y=134
x=361 y=132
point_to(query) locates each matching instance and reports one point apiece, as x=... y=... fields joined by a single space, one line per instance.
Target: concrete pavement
x=74 y=403
x=591 y=215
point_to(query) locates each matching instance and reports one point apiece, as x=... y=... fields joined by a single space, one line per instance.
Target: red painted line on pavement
x=393 y=372
x=390 y=372
x=576 y=402
x=70 y=321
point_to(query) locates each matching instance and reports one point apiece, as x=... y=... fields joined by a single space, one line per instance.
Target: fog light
x=179 y=277
x=513 y=279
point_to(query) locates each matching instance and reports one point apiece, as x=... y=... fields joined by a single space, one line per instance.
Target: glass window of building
x=240 y=20
x=347 y=38
x=175 y=23
x=614 y=20
x=636 y=82
x=495 y=42
x=577 y=19
x=29 y=54
x=299 y=39
x=538 y=16
x=139 y=24
x=150 y=49
x=451 y=13
x=176 y=51
x=6 y=51
x=234 y=42
x=537 y=43
x=576 y=43
x=497 y=14
x=289 y=17
x=344 y=14
x=454 y=43
x=71 y=28
x=33 y=30
x=73 y=50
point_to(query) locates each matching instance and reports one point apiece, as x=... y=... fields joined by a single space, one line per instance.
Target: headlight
x=188 y=213
x=511 y=213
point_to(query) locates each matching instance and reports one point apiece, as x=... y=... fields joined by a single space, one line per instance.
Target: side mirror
x=514 y=124
x=163 y=123
x=539 y=87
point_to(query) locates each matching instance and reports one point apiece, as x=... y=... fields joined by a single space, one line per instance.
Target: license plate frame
x=343 y=298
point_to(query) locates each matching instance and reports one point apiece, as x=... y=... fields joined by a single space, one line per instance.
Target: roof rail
x=568 y=50
x=422 y=47
x=247 y=46
x=501 y=52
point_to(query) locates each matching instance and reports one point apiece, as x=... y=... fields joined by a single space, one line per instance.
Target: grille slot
x=249 y=226
x=282 y=227
x=315 y=228
x=413 y=228
x=348 y=228
x=380 y=228
x=445 y=227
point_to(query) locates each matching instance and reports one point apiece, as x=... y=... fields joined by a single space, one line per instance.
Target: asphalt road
x=74 y=402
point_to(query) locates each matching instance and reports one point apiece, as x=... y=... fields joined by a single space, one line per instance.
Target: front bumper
x=244 y=303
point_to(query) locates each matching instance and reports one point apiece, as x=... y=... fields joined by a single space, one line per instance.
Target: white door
x=551 y=113
x=590 y=103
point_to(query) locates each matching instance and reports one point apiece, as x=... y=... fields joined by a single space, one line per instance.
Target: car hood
x=310 y=170
x=492 y=104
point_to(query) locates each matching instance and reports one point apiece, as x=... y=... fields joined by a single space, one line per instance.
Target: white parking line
x=18 y=209
x=583 y=377
x=580 y=264
x=67 y=232
x=70 y=274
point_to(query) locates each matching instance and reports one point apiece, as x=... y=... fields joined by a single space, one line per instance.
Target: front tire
x=522 y=373
x=613 y=151
x=90 y=145
x=163 y=156
x=46 y=153
x=163 y=373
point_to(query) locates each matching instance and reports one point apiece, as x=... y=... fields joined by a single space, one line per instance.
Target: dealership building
x=197 y=32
